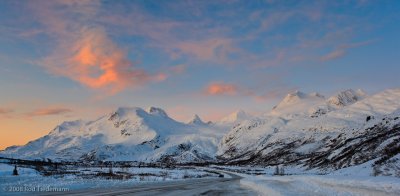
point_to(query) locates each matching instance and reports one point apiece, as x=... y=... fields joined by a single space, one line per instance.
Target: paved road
x=215 y=186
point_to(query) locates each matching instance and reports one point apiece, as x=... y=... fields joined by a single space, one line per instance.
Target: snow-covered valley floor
x=321 y=185
x=297 y=181
x=195 y=181
x=31 y=181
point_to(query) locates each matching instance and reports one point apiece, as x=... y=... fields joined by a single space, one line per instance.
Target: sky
x=78 y=59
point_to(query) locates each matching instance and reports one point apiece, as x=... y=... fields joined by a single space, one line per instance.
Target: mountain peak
x=297 y=102
x=346 y=97
x=196 y=120
x=236 y=116
x=66 y=125
x=291 y=97
x=361 y=93
x=316 y=94
x=123 y=112
x=126 y=110
x=156 y=111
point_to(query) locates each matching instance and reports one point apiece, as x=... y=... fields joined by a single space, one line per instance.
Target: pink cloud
x=218 y=88
x=226 y=89
x=49 y=111
x=5 y=111
x=88 y=56
x=96 y=62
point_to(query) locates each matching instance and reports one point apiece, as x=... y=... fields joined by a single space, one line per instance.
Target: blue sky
x=64 y=60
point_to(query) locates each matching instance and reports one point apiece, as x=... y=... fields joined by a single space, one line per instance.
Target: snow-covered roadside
x=322 y=185
x=29 y=180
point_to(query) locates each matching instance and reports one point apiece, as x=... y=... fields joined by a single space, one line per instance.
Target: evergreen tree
x=15 y=172
x=276 y=170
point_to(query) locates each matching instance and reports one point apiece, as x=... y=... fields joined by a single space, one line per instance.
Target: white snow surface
x=322 y=185
x=234 y=118
x=125 y=134
x=29 y=181
x=292 y=120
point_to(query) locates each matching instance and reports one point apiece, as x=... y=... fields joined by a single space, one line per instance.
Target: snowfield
x=259 y=180
x=322 y=185
x=297 y=181
x=90 y=178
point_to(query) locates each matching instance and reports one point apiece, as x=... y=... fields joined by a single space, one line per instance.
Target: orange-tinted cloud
x=97 y=62
x=5 y=111
x=84 y=51
x=49 y=111
x=219 y=88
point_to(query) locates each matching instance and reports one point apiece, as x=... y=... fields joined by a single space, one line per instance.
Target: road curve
x=210 y=186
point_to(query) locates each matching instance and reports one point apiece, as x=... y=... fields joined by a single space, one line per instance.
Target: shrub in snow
x=376 y=171
x=279 y=171
x=282 y=171
x=186 y=174
x=15 y=172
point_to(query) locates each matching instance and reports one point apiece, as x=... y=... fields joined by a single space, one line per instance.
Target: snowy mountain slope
x=346 y=97
x=297 y=103
x=234 y=118
x=316 y=141
x=314 y=104
x=126 y=134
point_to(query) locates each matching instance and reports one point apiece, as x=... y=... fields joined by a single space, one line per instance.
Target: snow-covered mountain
x=346 y=97
x=125 y=134
x=346 y=129
x=196 y=120
x=234 y=118
x=299 y=103
x=362 y=129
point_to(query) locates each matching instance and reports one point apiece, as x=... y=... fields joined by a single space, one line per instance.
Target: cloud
x=88 y=55
x=219 y=88
x=341 y=50
x=333 y=55
x=208 y=49
x=97 y=62
x=6 y=112
x=226 y=89
x=178 y=69
x=49 y=111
